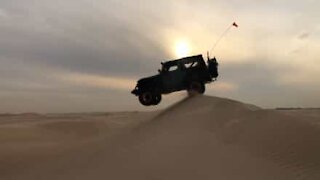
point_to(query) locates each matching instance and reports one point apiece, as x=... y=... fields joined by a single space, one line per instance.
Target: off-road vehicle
x=189 y=73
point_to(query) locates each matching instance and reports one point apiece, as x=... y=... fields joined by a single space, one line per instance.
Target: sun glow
x=182 y=49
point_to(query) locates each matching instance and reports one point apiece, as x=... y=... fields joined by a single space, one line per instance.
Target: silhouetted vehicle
x=189 y=73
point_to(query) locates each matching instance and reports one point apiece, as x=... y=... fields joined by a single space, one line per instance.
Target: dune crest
x=292 y=142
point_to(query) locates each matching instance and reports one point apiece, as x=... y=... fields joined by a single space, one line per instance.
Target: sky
x=86 y=55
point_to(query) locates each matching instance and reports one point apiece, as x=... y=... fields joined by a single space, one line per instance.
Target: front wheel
x=146 y=98
x=196 y=87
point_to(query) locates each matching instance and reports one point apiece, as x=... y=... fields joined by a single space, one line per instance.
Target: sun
x=182 y=49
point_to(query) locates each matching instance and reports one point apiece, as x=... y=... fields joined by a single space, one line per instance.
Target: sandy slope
x=198 y=138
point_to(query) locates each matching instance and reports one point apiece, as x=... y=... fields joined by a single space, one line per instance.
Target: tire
x=156 y=99
x=146 y=98
x=196 y=88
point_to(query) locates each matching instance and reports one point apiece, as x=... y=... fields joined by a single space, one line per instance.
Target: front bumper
x=135 y=91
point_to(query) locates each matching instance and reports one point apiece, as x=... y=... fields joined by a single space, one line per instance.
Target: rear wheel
x=196 y=88
x=146 y=98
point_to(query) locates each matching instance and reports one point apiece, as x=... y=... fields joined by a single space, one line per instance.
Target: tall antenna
x=221 y=36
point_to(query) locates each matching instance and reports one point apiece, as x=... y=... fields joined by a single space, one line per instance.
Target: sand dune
x=200 y=137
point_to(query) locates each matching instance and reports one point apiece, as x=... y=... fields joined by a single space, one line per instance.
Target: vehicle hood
x=149 y=79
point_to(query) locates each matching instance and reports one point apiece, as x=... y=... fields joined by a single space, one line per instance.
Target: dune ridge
x=292 y=142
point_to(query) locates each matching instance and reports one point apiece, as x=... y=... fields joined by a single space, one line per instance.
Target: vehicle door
x=173 y=79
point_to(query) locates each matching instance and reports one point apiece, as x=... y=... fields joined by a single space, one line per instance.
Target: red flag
x=235 y=24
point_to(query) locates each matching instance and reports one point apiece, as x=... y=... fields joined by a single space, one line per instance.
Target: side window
x=191 y=64
x=173 y=68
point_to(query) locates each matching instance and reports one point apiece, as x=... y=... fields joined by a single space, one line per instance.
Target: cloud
x=268 y=84
x=3 y=13
x=96 y=81
x=222 y=87
x=304 y=35
x=90 y=39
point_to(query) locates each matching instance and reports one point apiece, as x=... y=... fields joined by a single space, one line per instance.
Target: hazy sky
x=86 y=55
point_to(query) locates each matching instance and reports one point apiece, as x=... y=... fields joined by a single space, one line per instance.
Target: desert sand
x=200 y=137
